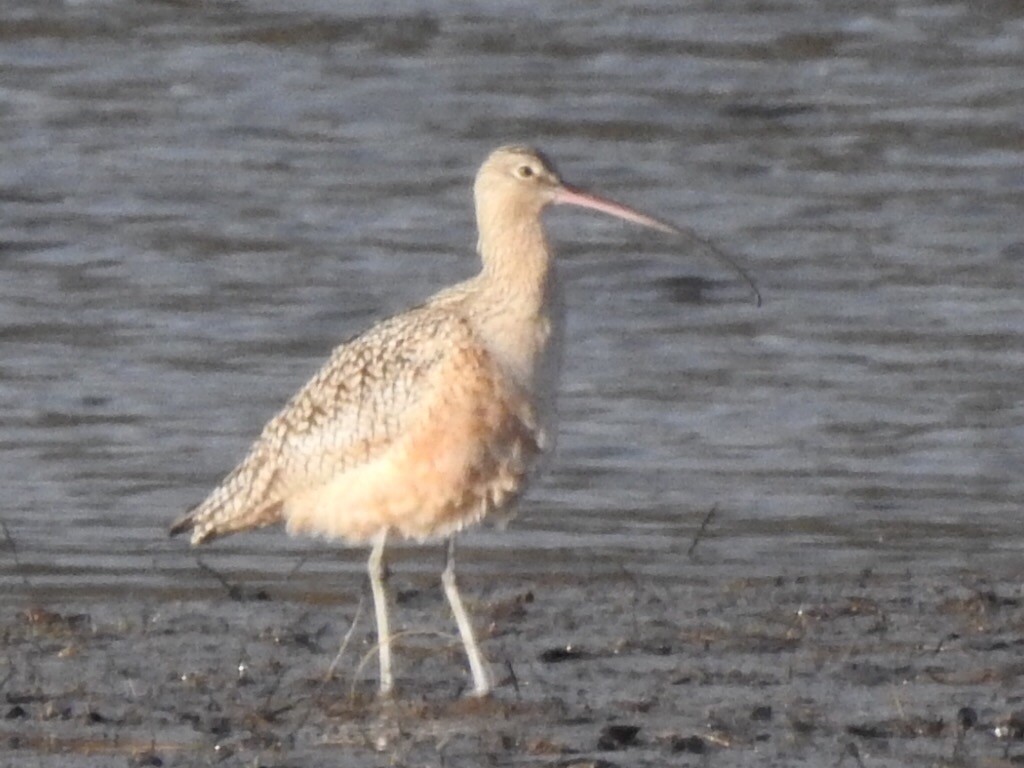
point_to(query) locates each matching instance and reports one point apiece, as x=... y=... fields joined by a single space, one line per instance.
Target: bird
x=433 y=419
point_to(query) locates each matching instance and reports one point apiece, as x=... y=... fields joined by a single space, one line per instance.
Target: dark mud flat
x=861 y=669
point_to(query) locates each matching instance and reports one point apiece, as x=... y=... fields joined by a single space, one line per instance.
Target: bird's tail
x=242 y=502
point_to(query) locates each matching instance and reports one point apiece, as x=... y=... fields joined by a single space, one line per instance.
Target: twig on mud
x=296 y=568
x=268 y=713
x=966 y=719
x=344 y=643
x=637 y=590
x=12 y=545
x=330 y=670
x=940 y=646
x=896 y=701
x=514 y=680
x=234 y=591
x=700 y=531
x=852 y=751
x=375 y=648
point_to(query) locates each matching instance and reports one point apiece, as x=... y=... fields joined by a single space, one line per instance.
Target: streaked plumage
x=432 y=419
x=412 y=426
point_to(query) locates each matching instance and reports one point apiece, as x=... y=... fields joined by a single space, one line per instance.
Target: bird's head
x=516 y=178
x=516 y=182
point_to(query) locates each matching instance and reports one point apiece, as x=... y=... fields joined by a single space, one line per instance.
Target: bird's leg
x=477 y=662
x=378 y=575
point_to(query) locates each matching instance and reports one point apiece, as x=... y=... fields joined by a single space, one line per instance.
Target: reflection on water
x=198 y=203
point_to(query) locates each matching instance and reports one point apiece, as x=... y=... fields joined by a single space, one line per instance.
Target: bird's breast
x=526 y=342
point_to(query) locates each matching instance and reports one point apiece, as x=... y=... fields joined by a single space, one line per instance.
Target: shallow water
x=200 y=201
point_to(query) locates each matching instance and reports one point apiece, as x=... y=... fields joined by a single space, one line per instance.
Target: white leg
x=477 y=662
x=380 y=609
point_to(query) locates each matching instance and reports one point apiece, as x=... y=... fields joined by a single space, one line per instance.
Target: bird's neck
x=517 y=304
x=517 y=262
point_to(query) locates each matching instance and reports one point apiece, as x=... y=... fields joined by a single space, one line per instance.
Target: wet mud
x=816 y=669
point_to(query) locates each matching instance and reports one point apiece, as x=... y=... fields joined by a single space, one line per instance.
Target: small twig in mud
x=234 y=591
x=700 y=531
x=513 y=679
x=940 y=646
x=296 y=569
x=852 y=751
x=330 y=670
x=11 y=545
x=344 y=643
x=898 y=704
x=7 y=678
x=966 y=718
x=394 y=636
x=441 y=747
x=637 y=587
x=271 y=714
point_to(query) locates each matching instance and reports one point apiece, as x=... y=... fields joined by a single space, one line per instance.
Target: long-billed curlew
x=433 y=418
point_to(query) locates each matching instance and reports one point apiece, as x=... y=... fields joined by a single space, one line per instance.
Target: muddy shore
x=856 y=669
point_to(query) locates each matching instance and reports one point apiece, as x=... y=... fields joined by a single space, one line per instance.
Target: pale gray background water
x=200 y=200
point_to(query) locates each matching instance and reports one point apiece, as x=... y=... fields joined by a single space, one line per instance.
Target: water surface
x=200 y=201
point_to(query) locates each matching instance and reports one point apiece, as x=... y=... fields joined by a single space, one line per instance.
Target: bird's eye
x=525 y=171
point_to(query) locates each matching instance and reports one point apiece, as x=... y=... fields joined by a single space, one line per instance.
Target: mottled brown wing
x=346 y=415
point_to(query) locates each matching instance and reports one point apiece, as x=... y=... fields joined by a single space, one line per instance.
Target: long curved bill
x=569 y=195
